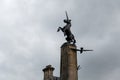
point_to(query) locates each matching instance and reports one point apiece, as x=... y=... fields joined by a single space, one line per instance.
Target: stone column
x=68 y=64
x=48 y=72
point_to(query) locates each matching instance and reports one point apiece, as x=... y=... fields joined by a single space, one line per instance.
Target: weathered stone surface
x=48 y=73
x=68 y=65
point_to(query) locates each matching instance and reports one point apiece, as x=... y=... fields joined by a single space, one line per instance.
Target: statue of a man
x=66 y=30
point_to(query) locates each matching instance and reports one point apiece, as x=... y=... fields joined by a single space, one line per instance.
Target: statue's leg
x=73 y=39
x=58 y=29
x=68 y=39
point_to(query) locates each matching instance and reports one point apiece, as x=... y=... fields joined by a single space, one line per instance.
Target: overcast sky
x=29 y=41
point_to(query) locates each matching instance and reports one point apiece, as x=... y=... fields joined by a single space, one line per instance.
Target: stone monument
x=68 y=59
x=68 y=63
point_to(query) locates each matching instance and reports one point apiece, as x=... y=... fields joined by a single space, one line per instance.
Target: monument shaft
x=68 y=65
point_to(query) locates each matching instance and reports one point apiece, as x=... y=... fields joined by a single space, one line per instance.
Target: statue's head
x=67 y=21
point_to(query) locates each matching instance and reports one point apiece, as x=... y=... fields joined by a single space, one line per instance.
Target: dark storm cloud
x=29 y=40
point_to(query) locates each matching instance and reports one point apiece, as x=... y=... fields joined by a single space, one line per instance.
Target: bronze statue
x=66 y=30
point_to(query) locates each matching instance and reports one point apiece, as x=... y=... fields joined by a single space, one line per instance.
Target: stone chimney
x=48 y=72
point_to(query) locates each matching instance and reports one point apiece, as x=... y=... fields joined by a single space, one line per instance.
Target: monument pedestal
x=68 y=64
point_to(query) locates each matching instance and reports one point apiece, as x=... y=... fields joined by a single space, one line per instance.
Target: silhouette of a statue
x=66 y=30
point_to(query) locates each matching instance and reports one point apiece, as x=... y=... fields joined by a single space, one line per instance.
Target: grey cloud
x=29 y=40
